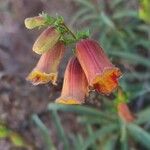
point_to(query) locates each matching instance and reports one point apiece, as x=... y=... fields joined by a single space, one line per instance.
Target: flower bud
x=102 y=75
x=34 y=22
x=124 y=112
x=46 y=69
x=75 y=84
x=46 y=40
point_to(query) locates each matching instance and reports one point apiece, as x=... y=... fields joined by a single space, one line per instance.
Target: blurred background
x=29 y=119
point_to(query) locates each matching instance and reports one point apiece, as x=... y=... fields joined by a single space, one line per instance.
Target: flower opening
x=100 y=72
x=75 y=84
x=46 y=69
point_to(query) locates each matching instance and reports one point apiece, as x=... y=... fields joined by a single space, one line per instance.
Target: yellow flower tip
x=34 y=22
x=107 y=82
x=67 y=101
x=37 y=77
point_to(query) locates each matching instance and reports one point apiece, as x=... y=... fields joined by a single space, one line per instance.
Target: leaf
x=134 y=58
x=44 y=132
x=110 y=143
x=125 y=13
x=82 y=110
x=99 y=134
x=17 y=140
x=4 y=131
x=139 y=135
x=143 y=116
x=107 y=20
x=60 y=129
x=144 y=11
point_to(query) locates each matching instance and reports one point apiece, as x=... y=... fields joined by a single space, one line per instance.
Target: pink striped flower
x=102 y=75
x=75 y=84
x=46 y=40
x=46 y=69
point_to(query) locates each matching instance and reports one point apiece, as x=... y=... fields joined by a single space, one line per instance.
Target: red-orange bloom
x=100 y=72
x=124 y=112
x=46 y=40
x=75 y=84
x=46 y=69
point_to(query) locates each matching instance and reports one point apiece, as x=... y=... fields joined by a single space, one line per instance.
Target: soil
x=18 y=98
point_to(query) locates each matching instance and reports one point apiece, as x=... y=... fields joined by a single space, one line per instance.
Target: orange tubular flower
x=34 y=22
x=46 y=40
x=124 y=112
x=100 y=72
x=46 y=69
x=75 y=84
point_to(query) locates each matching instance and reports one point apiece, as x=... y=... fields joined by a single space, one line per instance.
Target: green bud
x=46 y=40
x=34 y=22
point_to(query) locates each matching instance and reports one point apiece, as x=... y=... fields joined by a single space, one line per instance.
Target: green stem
x=73 y=35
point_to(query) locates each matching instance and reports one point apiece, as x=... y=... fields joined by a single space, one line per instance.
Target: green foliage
x=139 y=135
x=4 y=131
x=16 y=139
x=144 y=12
x=44 y=132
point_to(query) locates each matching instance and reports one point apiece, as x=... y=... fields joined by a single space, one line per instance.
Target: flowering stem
x=73 y=35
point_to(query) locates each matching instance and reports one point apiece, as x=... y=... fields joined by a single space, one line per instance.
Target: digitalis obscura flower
x=46 y=41
x=102 y=75
x=34 y=22
x=125 y=113
x=75 y=84
x=46 y=69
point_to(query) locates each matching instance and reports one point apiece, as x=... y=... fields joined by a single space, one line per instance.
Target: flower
x=46 y=40
x=34 y=22
x=75 y=84
x=124 y=112
x=102 y=75
x=46 y=69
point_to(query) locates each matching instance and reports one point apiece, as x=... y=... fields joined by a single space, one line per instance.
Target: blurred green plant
x=102 y=129
x=14 y=137
x=144 y=11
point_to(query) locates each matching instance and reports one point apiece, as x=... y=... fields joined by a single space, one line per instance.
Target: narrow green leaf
x=99 y=134
x=60 y=130
x=44 y=132
x=139 y=135
x=125 y=13
x=82 y=110
x=4 y=131
x=143 y=116
x=107 y=20
x=134 y=58
x=110 y=143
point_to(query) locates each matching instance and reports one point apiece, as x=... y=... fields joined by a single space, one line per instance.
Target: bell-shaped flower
x=101 y=74
x=46 y=69
x=34 y=22
x=46 y=41
x=124 y=112
x=75 y=84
